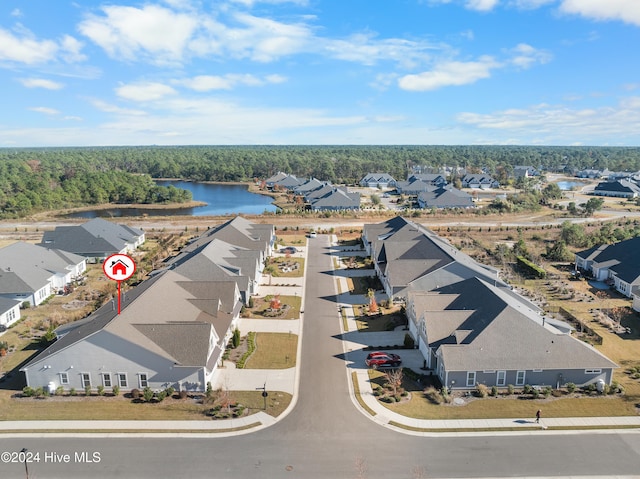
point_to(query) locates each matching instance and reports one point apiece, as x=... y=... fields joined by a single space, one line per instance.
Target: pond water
x=221 y=199
x=568 y=185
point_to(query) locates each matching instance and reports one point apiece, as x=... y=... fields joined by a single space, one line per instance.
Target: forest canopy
x=36 y=179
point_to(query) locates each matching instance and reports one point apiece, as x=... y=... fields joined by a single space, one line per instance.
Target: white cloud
x=251 y=3
x=144 y=91
x=45 y=110
x=16 y=12
x=159 y=34
x=482 y=5
x=368 y=50
x=204 y=83
x=557 y=123
x=449 y=74
x=530 y=4
x=109 y=108
x=626 y=10
x=25 y=48
x=524 y=56
x=41 y=83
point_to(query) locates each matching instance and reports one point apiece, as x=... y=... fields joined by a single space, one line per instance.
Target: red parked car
x=380 y=359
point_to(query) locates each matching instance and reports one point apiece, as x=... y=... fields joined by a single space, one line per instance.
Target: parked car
x=288 y=250
x=380 y=359
x=313 y=234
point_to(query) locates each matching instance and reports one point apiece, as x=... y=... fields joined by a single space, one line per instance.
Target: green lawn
x=122 y=408
x=274 y=351
x=505 y=406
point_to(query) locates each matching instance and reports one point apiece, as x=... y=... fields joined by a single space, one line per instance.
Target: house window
x=142 y=379
x=471 y=378
x=592 y=371
x=122 y=380
x=86 y=380
x=106 y=380
x=520 y=377
x=501 y=378
x=64 y=378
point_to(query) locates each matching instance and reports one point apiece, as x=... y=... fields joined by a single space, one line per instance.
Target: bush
x=494 y=391
x=87 y=390
x=571 y=387
x=147 y=393
x=510 y=389
x=59 y=391
x=135 y=393
x=28 y=391
x=235 y=340
x=433 y=395
x=170 y=390
x=101 y=390
x=481 y=390
x=547 y=391
x=116 y=390
x=73 y=392
x=183 y=394
x=527 y=389
x=161 y=395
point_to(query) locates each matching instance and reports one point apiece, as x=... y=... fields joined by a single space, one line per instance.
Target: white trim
x=471 y=378
x=143 y=383
x=521 y=381
x=64 y=378
x=106 y=378
x=120 y=382
x=82 y=379
x=501 y=378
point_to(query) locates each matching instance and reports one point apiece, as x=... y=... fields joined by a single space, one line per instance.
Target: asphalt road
x=327 y=437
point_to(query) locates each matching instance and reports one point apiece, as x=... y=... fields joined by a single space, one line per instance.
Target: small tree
x=394 y=377
x=235 y=340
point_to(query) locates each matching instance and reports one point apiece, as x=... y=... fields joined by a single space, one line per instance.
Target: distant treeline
x=33 y=179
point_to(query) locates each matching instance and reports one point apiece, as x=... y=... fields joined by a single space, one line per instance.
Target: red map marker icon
x=119 y=267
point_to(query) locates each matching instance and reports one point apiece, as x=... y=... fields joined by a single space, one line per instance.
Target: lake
x=221 y=199
x=568 y=185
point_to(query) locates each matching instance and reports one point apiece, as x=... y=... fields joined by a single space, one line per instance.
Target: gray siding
x=552 y=377
x=106 y=353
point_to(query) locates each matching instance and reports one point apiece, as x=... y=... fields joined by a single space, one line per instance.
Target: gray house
x=617 y=189
x=470 y=326
x=472 y=332
x=378 y=180
x=95 y=240
x=9 y=312
x=480 y=181
x=618 y=263
x=173 y=328
x=333 y=198
x=31 y=273
x=445 y=197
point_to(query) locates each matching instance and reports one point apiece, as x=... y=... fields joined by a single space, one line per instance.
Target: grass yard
x=124 y=409
x=514 y=406
x=387 y=321
x=274 y=351
x=294 y=304
x=282 y=267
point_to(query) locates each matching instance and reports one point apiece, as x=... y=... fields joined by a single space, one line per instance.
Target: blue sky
x=185 y=72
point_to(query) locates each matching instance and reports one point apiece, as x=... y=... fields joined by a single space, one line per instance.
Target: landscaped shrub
x=235 y=340
x=28 y=391
x=135 y=393
x=527 y=389
x=571 y=387
x=547 y=391
x=481 y=390
x=251 y=347
x=433 y=395
x=73 y=392
x=59 y=391
x=494 y=391
x=160 y=396
x=183 y=394
x=147 y=394
x=116 y=390
x=39 y=392
x=101 y=390
x=170 y=390
x=87 y=390
x=510 y=389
